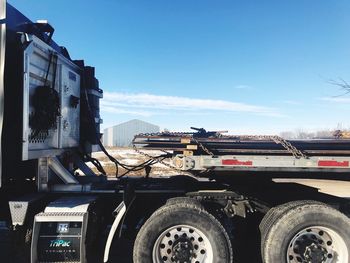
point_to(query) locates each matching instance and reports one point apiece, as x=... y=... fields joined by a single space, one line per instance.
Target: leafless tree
x=342 y=84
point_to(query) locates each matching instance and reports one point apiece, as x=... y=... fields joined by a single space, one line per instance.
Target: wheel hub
x=183 y=250
x=316 y=245
x=315 y=253
x=182 y=244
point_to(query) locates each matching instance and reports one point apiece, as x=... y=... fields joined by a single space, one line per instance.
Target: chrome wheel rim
x=182 y=244
x=317 y=244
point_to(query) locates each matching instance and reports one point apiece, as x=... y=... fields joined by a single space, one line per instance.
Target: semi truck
x=235 y=198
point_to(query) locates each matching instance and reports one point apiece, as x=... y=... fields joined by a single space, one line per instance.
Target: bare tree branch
x=342 y=84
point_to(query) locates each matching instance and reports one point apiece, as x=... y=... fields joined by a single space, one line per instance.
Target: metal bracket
x=82 y=166
x=52 y=165
x=42 y=175
x=56 y=166
x=233 y=204
x=237 y=208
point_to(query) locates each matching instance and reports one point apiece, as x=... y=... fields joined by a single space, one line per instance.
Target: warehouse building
x=122 y=134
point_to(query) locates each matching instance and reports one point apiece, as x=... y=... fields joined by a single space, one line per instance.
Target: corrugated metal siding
x=122 y=134
x=108 y=137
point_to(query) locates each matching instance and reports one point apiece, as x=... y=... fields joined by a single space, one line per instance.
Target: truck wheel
x=275 y=213
x=308 y=233
x=182 y=232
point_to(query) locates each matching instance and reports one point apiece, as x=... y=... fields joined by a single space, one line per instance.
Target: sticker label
x=236 y=162
x=60 y=243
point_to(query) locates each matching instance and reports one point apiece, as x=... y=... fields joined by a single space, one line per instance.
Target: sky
x=255 y=67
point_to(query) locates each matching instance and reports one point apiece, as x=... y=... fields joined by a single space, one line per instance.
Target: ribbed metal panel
x=108 y=137
x=121 y=135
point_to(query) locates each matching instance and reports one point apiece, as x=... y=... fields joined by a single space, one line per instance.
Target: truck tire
x=182 y=232
x=308 y=232
x=184 y=200
x=275 y=213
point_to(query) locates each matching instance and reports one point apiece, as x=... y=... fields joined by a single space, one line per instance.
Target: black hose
x=117 y=163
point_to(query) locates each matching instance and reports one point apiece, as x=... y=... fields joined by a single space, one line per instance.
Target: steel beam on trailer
x=233 y=146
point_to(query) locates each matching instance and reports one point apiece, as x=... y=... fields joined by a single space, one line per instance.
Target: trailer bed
x=194 y=152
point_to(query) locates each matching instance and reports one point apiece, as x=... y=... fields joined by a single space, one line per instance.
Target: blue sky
x=243 y=66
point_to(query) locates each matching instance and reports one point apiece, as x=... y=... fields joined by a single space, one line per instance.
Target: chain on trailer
x=186 y=134
x=202 y=133
x=277 y=139
x=203 y=152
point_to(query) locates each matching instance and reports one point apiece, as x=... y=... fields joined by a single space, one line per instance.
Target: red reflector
x=334 y=163
x=236 y=162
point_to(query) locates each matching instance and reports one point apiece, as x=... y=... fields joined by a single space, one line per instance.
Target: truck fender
x=119 y=213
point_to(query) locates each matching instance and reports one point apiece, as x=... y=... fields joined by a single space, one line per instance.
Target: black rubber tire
x=296 y=217
x=187 y=214
x=184 y=200
x=275 y=213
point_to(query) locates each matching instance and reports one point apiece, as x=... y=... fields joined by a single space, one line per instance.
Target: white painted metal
x=108 y=136
x=122 y=134
x=77 y=204
x=66 y=135
x=261 y=163
x=119 y=212
x=20 y=206
x=56 y=166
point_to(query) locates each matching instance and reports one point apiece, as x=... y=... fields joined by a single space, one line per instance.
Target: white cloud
x=145 y=104
x=116 y=110
x=336 y=99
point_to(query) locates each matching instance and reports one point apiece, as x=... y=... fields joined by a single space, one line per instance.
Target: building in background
x=122 y=134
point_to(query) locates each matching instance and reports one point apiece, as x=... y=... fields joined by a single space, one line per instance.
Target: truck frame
x=224 y=206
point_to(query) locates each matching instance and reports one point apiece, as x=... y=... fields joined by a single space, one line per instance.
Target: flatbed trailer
x=198 y=152
x=223 y=206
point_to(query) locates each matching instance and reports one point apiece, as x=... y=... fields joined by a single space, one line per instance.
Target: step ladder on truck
x=224 y=205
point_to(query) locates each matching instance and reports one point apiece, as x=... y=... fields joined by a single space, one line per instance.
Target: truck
x=235 y=198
